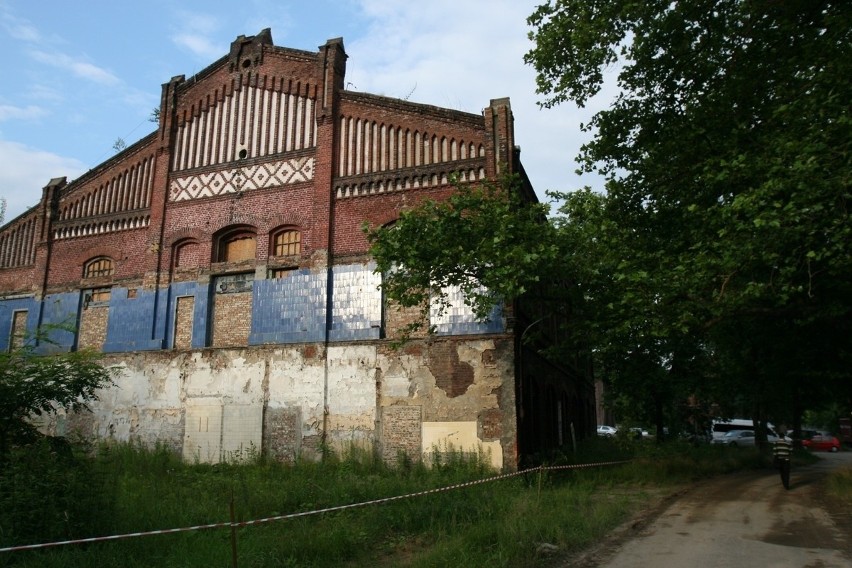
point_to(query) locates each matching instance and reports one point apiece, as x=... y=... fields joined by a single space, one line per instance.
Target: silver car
x=604 y=430
x=743 y=438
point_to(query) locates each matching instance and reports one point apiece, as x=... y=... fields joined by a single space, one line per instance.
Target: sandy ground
x=741 y=520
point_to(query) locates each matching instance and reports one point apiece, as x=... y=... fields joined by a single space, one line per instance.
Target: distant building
x=220 y=262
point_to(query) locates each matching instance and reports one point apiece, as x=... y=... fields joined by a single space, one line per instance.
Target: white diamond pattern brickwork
x=244 y=178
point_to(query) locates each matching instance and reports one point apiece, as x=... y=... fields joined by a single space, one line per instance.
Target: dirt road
x=742 y=520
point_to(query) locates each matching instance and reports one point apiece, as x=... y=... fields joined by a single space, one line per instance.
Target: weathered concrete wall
x=287 y=401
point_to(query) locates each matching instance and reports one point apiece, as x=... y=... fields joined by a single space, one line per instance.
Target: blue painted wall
x=7 y=310
x=291 y=309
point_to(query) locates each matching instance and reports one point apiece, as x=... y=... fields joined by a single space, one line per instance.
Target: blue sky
x=79 y=75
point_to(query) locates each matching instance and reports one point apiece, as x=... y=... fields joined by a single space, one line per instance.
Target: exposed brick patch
x=19 y=328
x=451 y=375
x=489 y=358
x=183 y=322
x=401 y=432
x=93 y=328
x=282 y=434
x=232 y=319
x=414 y=349
x=80 y=425
x=397 y=318
x=490 y=424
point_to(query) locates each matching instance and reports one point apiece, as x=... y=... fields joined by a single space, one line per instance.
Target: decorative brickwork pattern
x=246 y=123
x=264 y=141
x=17 y=243
x=244 y=178
x=126 y=187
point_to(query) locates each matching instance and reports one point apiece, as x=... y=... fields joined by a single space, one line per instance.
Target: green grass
x=839 y=485
x=124 y=488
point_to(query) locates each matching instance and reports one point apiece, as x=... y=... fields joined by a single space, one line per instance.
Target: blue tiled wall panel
x=7 y=310
x=201 y=315
x=168 y=302
x=131 y=322
x=356 y=303
x=60 y=310
x=460 y=320
x=290 y=309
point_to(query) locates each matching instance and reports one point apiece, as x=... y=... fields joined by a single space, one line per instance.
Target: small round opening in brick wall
x=243 y=154
x=246 y=63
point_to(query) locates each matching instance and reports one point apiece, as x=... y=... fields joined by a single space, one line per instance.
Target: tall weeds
x=126 y=488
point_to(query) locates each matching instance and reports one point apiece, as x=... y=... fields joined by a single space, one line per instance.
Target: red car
x=822 y=441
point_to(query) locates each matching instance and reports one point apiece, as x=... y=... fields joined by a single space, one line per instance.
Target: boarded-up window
x=97 y=267
x=281 y=272
x=240 y=248
x=287 y=243
x=96 y=297
x=236 y=246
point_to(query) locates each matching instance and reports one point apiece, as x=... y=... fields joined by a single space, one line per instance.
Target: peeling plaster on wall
x=272 y=398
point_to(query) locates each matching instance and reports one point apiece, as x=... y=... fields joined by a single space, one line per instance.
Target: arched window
x=100 y=266
x=237 y=244
x=286 y=243
x=185 y=254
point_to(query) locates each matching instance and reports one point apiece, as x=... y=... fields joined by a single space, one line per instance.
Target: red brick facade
x=265 y=139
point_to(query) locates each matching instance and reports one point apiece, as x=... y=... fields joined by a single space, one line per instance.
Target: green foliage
x=33 y=385
x=48 y=493
x=125 y=488
x=482 y=240
x=722 y=259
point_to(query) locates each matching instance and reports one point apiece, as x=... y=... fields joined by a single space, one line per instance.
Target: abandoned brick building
x=220 y=263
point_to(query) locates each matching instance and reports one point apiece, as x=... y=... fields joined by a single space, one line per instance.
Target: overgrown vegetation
x=121 y=489
x=839 y=486
x=33 y=384
x=712 y=279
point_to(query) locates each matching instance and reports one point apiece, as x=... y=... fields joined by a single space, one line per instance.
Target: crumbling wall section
x=297 y=401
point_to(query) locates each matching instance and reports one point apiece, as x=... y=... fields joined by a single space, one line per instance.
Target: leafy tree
x=727 y=158
x=482 y=240
x=34 y=385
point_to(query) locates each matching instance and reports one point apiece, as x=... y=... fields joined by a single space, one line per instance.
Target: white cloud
x=19 y=28
x=198 y=34
x=24 y=171
x=199 y=45
x=461 y=55
x=10 y=112
x=81 y=69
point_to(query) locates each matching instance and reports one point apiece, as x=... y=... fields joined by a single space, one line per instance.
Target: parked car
x=638 y=433
x=736 y=438
x=743 y=438
x=823 y=441
x=604 y=430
